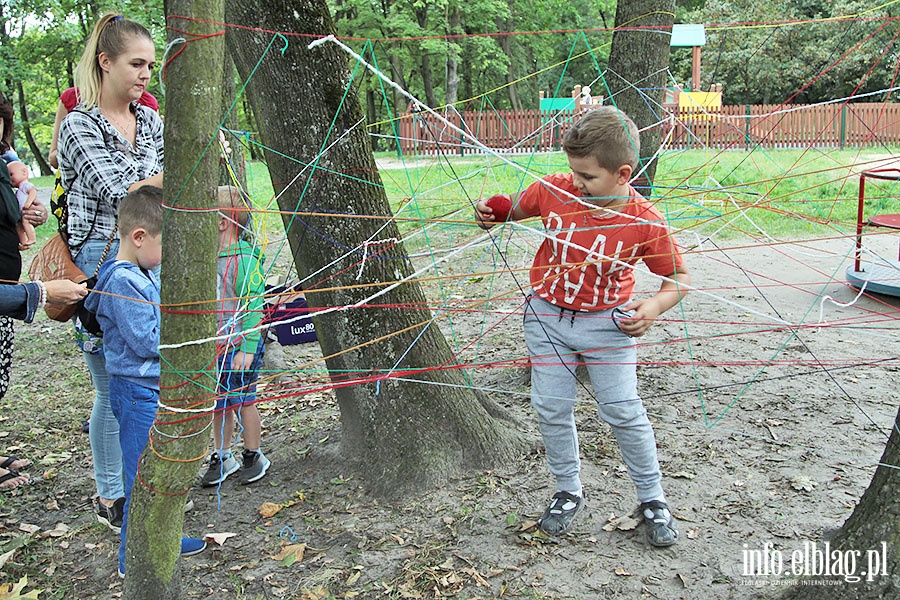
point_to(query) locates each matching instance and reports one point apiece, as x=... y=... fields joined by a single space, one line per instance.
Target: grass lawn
x=786 y=193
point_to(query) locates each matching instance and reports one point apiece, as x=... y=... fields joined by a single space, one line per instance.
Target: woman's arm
x=61 y=112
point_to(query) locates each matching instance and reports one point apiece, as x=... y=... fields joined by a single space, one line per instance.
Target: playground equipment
x=881 y=276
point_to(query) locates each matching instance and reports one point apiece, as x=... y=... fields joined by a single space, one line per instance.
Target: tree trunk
x=427 y=81
x=403 y=435
x=399 y=79
x=234 y=166
x=636 y=75
x=504 y=41
x=169 y=465
x=452 y=86
x=875 y=519
x=424 y=62
x=29 y=138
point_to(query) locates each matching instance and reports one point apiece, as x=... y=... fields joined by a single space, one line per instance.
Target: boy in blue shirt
x=128 y=312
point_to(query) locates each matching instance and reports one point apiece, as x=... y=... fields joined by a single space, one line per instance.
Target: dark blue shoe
x=191 y=546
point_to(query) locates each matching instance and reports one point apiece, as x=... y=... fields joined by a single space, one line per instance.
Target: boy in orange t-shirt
x=597 y=228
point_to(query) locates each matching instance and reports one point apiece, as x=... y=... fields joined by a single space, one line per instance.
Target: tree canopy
x=499 y=54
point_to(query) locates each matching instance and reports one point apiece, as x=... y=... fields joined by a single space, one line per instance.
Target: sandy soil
x=770 y=405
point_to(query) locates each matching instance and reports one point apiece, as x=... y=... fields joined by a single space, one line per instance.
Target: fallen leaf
x=219 y=538
x=802 y=483
x=6 y=556
x=683 y=475
x=527 y=524
x=291 y=553
x=622 y=523
x=693 y=533
x=14 y=590
x=354 y=577
x=60 y=530
x=29 y=528
x=622 y=572
x=55 y=457
x=681 y=579
x=269 y=510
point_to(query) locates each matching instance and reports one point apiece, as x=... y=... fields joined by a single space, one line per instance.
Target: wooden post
x=695 y=69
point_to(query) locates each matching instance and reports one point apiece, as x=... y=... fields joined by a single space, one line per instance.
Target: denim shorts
x=238 y=387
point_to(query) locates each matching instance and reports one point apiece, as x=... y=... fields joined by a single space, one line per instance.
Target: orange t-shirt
x=586 y=263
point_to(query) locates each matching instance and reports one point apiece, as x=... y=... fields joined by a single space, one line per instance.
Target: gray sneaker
x=255 y=466
x=218 y=470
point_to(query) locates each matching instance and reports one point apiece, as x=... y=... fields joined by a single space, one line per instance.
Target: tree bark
x=510 y=77
x=29 y=138
x=403 y=435
x=452 y=86
x=636 y=75
x=424 y=62
x=169 y=465
x=234 y=164
x=875 y=519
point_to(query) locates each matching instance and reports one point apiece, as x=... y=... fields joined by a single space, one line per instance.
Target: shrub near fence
x=731 y=127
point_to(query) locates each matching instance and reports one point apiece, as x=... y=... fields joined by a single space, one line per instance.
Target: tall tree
x=169 y=465
x=638 y=62
x=454 y=27
x=404 y=433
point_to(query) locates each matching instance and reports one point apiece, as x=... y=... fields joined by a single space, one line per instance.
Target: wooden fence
x=730 y=127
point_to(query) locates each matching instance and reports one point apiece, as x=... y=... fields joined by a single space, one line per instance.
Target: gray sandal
x=661 y=528
x=558 y=517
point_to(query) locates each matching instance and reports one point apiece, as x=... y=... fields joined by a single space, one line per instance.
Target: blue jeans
x=135 y=409
x=104 y=430
x=557 y=341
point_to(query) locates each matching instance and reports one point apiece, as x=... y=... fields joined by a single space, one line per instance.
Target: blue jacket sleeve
x=19 y=301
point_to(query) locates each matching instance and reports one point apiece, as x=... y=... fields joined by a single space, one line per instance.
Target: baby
x=26 y=194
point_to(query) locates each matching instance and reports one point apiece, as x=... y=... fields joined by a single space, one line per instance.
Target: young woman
x=108 y=146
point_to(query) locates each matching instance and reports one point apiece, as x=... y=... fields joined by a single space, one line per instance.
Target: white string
x=365 y=247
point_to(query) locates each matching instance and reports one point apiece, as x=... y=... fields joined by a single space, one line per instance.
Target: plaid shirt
x=98 y=165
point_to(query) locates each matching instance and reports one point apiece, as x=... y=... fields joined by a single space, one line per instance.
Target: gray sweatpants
x=558 y=340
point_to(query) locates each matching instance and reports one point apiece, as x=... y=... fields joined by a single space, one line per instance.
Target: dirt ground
x=770 y=406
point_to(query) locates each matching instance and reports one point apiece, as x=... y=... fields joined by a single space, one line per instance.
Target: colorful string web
x=770 y=328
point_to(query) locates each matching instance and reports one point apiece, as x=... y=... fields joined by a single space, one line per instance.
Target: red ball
x=501 y=207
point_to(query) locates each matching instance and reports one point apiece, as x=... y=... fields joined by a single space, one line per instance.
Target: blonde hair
x=607 y=134
x=233 y=205
x=111 y=35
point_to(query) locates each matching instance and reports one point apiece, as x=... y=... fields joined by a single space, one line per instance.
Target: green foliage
x=816 y=57
x=40 y=43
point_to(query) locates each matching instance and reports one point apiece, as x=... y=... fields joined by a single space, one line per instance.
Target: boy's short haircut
x=607 y=134
x=142 y=208
x=233 y=205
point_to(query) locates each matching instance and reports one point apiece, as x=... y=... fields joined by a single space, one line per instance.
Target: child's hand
x=645 y=313
x=495 y=209
x=242 y=361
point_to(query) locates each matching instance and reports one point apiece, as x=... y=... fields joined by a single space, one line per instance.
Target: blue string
x=292 y=538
